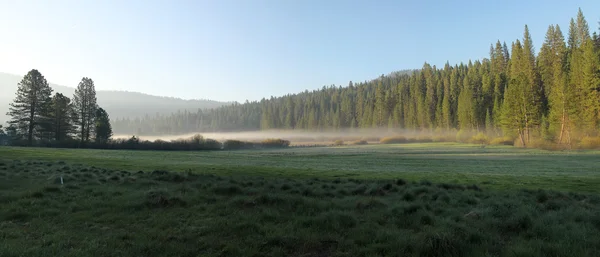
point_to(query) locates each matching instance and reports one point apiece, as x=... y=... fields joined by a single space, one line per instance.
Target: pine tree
x=446 y=108
x=583 y=30
x=546 y=59
x=590 y=87
x=489 y=125
x=505 y=52
x=30 y=105
x=84 y=103
x=553 y=66
x=522 y=100
x=3 y=136
x=380 y=106
x=102 y=125
x=466 y=114
x=430 y=96
x=534 y=88
x=61 y=117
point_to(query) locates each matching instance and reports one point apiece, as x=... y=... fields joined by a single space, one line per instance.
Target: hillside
x=118 y=104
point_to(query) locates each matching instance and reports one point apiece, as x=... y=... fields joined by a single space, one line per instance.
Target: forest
x=552 y=95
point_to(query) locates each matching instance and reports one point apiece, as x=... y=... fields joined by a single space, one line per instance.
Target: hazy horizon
x=210 y=50
x=298 y=135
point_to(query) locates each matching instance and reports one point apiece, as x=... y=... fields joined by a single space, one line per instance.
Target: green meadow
x=434 y=199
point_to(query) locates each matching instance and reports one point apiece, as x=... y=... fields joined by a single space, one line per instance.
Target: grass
x=497 y=167
x=105 y=212
x=373 y=200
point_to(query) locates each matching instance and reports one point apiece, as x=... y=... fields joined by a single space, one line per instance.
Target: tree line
x=553 y=96
x=40 y=118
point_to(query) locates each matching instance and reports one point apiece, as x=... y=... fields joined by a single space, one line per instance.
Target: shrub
x=196 y=142
x=360 y=142
x=502 y=141
x=543 y=144
x=275 y=143
x=463 y=136
x=338 y=142
x=393 y=140
x=422 y=139
x=237 y=145
x=480 y=138
x=590 y=143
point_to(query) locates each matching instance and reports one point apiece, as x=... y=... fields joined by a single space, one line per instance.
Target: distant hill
x=118 y=104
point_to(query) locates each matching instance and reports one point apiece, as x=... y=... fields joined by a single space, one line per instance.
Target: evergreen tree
x=589 y=100
x=61 y=117
x=102 y=126
x=466 y=114
x=446 y=108
x=522 y=99
x=553 y=66
x=583 y=30
x=489 y=125
x=380 y=106
x=30 y=105
x=3 y=136
x=84 y=103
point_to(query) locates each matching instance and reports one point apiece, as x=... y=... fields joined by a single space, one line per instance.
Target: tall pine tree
x=30 y=107
x=84 y=103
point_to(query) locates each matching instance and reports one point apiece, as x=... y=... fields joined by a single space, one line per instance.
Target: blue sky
x=236 y=50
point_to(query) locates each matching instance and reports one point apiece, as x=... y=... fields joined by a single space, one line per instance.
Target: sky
x=245 y=50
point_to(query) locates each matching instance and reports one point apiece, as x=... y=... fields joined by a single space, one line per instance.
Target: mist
x=299 y=137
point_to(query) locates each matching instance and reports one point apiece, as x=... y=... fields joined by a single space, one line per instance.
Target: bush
x=194 y=143
x=360 y=142
x=463 y=136
x=275 y=143
x=543 y=144
x=502 y=141
x=338 y=142
x=237 y=145
x=393 y=140
x=422 y=139
x=590 y=143
x=480 y=138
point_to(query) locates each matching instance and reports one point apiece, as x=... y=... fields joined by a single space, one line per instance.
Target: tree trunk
x=521 y=137
x=562 y=127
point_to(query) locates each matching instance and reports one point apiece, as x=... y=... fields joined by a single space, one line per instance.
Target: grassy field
x=374 y=200
x=495 y=167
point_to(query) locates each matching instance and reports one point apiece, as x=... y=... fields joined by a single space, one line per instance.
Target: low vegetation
x=360 y=142
x=195 y=143
x=502 y=141
x=108 y=212
x=393 y=140
x=590 y=143
x=497 y=167
x=338 y=142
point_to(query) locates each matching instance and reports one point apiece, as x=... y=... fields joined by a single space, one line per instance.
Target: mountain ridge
x=118 y=103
